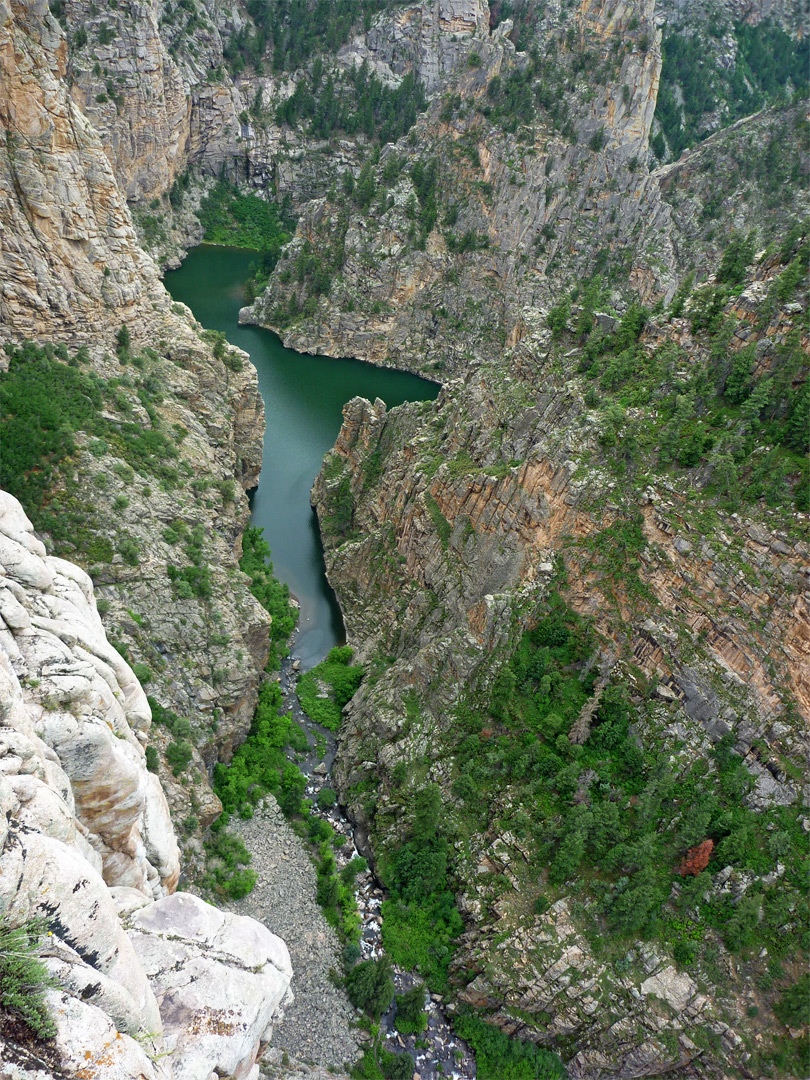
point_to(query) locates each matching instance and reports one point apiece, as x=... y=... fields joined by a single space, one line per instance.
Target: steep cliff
x=533 y=524
x=71 y=263
x=498 y=191
x=146 y=982
x=146 y=492
x=528 y=172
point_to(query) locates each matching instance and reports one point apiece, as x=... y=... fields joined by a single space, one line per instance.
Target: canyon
x=501 y=245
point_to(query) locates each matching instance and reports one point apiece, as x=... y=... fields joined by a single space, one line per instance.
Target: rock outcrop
x=147 y=982
x=71 y=264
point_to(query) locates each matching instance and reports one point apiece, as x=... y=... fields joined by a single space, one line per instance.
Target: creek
x=303 y=398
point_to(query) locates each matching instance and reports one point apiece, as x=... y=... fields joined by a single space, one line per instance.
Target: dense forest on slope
x=697 y=95
x=739 y=415
x=353 y=103
x=288 y=33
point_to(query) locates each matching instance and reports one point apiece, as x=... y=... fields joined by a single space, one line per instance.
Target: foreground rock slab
x=152 y=984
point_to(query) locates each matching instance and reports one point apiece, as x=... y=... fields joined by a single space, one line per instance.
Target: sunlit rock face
x=86 y=843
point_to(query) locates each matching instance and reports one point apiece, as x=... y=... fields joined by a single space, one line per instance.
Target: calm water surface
x=303 y=399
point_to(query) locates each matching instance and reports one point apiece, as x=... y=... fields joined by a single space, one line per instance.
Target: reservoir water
x=303 y=399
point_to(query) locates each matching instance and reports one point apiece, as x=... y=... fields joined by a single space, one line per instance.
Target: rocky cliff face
x=74 y=273
x=533 y=156
x=147 y=982
x=527 y=173
x=71 y=263
x=495 y=497
x=130 y=89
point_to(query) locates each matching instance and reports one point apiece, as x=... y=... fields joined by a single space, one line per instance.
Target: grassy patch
x=229 y=216
x=24 y=978
x=49 y=405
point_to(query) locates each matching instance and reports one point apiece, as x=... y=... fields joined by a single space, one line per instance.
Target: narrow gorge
x=499 y=768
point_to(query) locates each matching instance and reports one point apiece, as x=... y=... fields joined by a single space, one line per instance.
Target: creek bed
x=438 y=1052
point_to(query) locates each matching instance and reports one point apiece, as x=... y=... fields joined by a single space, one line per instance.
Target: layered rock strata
x=493 y=496
x=70 y=260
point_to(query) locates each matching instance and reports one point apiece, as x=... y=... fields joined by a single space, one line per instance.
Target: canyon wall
x=147 y=981
x=74 y=276
x=496 y=499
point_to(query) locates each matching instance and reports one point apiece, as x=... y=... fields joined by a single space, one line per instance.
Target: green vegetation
x=194 y=579
x=424 y=177
x=243 y=219
x=353 y=102
x=498 y=1057
x=793 y=1008
x=287 y=33
x=420 y=920
x=769 y=65
x=370 y=986
x=269 y=591
x=50 y=405
x=377 y=1063
x=739 y=423
x=227 y=870
x=312 y=270
x=334 y=677
x=534 y=91
x=260 y=765
x=178 y=756
x=179 y=752
x=24 y=978
x=612 y=816
x=411 y=1017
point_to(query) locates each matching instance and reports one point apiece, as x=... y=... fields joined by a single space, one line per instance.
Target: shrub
x=696 y=859
x=326 y=798
x=24 y=978
x=557 y=318
x=179 y=755
x=152 y=759
x=411 y=1017
x=370 y=986
x=500 y=1058
x=128 y=550
x=123 y=340
x=342 y=680
x=259 y=765
x=269 y=591
x=227 y=873
x=245 y=220
x=793 y=1008
x=142 y=672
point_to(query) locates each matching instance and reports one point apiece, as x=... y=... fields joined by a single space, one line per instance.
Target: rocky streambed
x=319 y=1028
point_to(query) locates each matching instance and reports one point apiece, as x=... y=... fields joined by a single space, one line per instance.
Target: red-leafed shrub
x=696 y=859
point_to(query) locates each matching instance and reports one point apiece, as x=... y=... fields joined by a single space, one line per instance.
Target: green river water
x=303 y=400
